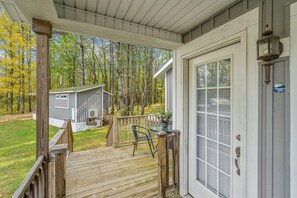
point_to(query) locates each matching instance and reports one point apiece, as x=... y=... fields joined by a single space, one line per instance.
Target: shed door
x=217 y=115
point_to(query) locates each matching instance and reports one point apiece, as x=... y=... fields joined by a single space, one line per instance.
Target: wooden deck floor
x=109 y=172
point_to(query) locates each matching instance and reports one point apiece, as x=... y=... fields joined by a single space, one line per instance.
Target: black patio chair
x=142 y=134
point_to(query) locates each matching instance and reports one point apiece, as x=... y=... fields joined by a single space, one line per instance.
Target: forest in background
x=77 y=60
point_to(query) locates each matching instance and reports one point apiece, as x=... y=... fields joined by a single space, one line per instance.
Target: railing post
x=70 y=137
x=59 y=152
x=51 y=176
x=176 y=158
x=162 y=164
x=115 y=132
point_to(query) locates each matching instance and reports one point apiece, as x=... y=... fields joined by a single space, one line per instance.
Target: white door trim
x=243 y=29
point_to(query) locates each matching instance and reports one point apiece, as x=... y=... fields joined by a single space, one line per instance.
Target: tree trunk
x=120 y=78
x=143 y=101
x=111 y=73
x=6 y=102
x=95 y=81
x=133 y=82
x=127 y=95
x=74 y=71
x=29 y=71
x=104 y=70
x=23 y=75
x=82 y=63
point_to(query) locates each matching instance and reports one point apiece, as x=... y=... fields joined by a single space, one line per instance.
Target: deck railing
x=34 y=184
x=165 y=143
x=120 y=131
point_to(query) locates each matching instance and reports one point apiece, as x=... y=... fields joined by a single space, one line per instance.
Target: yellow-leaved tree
x=17 y=66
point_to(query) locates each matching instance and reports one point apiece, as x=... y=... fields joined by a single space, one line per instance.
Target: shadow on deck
x=109 y=172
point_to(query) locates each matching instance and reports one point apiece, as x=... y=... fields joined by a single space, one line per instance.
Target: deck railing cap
x=161 y=134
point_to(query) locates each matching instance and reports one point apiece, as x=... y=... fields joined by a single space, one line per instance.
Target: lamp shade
x=269 y=48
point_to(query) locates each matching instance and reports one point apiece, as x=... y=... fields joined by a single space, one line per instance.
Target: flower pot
x=164 y=124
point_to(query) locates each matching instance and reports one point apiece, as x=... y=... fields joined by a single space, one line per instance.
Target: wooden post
x=51 y=176
x=70 y=137
x=162 y=163
x=60 y=152
x=176 y=159
x=43 y=31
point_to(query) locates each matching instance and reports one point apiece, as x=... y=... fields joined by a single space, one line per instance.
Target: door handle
x=237 y=156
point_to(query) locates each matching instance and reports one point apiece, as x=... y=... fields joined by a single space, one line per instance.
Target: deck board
x=110 y=172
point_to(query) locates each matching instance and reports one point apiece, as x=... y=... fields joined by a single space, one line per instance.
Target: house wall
x=61 y=113
x=245 y=29
x=169 y=90
x=275 y=133
x=280 y=21
x=91 y=99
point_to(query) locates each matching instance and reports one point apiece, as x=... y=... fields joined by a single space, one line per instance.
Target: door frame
x=243 y=30
x=293 y=99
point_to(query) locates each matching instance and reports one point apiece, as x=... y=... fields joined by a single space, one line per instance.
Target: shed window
x=62 y=101
x=64 y=96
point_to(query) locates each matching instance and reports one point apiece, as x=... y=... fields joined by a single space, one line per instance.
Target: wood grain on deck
x=109 y=172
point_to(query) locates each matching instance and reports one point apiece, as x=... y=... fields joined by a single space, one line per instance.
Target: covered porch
x=200 y=33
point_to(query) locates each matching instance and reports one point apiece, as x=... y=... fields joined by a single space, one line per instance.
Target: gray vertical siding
x=275 y=135
x=275 y=13
x=61 y=113
x=86 y=100
x=169 y=90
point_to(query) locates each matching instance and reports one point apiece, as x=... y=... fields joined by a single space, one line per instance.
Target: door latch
x=237 y=156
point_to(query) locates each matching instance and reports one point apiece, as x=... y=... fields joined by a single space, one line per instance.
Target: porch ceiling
x=156 y=23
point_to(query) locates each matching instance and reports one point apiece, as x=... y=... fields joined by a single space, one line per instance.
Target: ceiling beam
x=70 y=13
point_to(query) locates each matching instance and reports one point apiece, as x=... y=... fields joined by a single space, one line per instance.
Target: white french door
x=216 y=117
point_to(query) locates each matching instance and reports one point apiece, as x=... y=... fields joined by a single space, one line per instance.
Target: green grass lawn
x=17 y=150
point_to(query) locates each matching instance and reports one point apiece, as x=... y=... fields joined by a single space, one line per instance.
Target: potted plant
x=164 y=117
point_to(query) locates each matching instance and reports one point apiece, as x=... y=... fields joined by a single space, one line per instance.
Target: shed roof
x=76 y=89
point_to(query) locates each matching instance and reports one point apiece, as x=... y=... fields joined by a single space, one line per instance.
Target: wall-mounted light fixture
x=269 y=48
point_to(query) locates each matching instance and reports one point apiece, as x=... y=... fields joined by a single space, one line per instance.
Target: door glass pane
x=214 y=126
x=201 y=148
x=201 y=124
x=224 y=130
x=212 y=100
x=224 y=102
x=212 y=152
x=201 y=171
x=201 y=100
x=224 y=73
x=211 y=179
x=224 y=186
x=201 y=76
x=224 y=159
x=212 y=74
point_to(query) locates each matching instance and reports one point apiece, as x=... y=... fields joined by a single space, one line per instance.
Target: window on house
x=57 y=96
